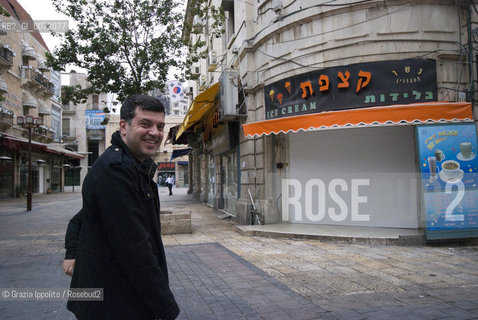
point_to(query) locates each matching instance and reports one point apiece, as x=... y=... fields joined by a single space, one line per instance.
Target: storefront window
x=72 y=176
x=35 y=177
x=6 y=178
x=55 y=179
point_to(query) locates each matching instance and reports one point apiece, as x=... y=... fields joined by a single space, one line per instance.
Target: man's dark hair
x=141 y=102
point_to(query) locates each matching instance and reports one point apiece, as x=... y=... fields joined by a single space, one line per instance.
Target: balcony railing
x=6 y=116
x=44 y=81
x=35 y=77
x=69 y=108
x=6 y=55
x=44 y=131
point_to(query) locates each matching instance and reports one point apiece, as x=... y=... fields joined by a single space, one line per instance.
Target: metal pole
x=29 y=186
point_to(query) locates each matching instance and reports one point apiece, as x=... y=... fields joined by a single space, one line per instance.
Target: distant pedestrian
x=119 y=245
x=170 y=183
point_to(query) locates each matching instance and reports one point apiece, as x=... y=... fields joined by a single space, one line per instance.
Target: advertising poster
x=94 y=118
x=449 y=178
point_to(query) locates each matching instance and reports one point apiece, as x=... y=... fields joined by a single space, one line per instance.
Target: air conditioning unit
x=228 y=95
x=202 y=83
x=212 y=61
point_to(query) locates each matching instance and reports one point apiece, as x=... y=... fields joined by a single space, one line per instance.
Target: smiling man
x=120 y=247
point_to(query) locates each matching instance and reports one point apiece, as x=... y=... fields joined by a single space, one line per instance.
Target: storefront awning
x=180 y=152
x=17 y=143
x=419 y=113
x=199 y=107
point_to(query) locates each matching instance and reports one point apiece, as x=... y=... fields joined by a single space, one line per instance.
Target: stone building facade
x=28 y=87
x=83 y=130
x=294 y=72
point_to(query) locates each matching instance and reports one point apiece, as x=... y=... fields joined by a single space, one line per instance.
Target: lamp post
x=29 y=122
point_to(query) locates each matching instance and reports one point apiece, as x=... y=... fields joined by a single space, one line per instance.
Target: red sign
x=166 y=166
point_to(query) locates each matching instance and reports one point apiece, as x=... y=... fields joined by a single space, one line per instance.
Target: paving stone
x=217 y=273
x=348 y=315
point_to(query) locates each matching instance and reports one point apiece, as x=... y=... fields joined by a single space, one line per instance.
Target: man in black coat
x=120 y=247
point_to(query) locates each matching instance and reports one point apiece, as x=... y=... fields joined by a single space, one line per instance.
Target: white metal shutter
x=383 y=156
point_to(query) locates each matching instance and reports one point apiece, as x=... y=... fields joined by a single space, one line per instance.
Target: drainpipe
x=471 y=92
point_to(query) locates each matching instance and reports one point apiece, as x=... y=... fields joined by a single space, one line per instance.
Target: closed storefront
x=357 y=177
x=6 y=174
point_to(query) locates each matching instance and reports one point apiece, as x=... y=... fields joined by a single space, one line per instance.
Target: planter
x=174 y=223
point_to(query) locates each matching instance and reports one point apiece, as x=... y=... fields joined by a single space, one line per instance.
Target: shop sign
x=354 y=86
x=166 y=166
x=94 y=118
x=449 y=178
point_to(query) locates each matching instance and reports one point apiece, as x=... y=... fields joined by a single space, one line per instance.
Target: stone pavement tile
x=348 y=315
x=389 y=315
x=331 y=303
x=419 y=278
x=379 y=299
x=341 y=284
x=459 y=314
x=474 y=311
x=432 y=310
x=309 y=314
x=414 y=297
x=454 y=294
x=276 y=315
x=467 y=304
x=210 y=280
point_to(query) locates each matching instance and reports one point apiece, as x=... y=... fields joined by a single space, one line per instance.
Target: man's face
x=145 y=133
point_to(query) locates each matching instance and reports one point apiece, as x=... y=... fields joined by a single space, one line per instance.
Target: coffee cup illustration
x=465 y=149
x=450 y=169
x=432 y=164
x=439 y=155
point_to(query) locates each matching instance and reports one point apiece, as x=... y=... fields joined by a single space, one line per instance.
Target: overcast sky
x=44 y=10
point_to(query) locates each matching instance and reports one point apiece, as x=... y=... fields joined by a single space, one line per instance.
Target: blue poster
x=449 y=175
x=94 y=118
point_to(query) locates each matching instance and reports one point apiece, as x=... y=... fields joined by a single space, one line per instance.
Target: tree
x=126 y=46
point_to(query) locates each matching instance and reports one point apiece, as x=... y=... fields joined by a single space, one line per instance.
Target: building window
x=65 y=127
x=96 y=102
x=25 y=61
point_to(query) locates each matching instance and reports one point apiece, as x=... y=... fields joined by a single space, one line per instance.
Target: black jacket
x=120 y=247
x=72 y=235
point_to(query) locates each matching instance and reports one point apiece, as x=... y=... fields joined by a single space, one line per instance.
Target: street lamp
x=29 y=122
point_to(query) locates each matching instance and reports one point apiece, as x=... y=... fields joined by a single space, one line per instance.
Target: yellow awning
x=199 y=108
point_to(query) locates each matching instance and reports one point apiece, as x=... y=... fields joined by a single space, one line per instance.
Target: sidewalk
x=217 y=273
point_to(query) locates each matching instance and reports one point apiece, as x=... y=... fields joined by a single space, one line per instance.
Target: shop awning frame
x=180 y=152
x=202 y=105
x=17 y=143
x=409 y=114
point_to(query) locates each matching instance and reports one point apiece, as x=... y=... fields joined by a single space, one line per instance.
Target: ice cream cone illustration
x=271 y=93
x=287 y=86
x=279 y=97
